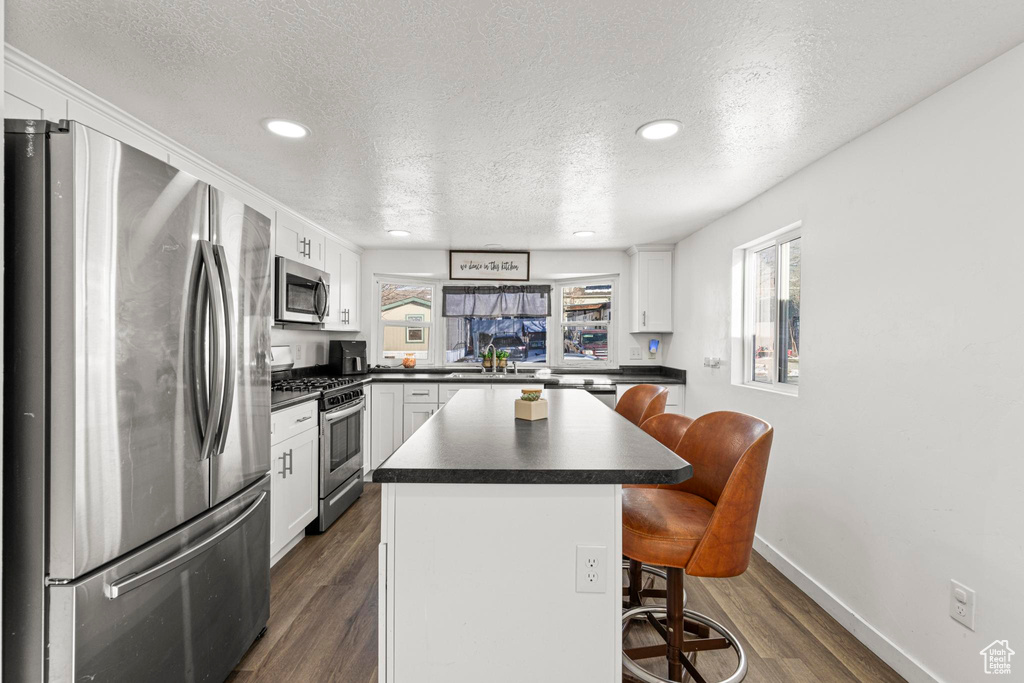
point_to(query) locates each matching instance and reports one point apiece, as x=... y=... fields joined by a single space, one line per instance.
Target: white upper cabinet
x=300 y=242
x=651 y=279
x=343 y=267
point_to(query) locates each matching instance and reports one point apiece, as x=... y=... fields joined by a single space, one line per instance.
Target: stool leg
x=675 y=625
x=636 y=579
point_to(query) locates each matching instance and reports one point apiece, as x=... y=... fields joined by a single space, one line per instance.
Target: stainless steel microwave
x=302 y=293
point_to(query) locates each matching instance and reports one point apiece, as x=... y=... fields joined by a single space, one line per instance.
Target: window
x=525 y=339
x=771 y=312
x=512 y=318
x=586 y=317
x=405 y=320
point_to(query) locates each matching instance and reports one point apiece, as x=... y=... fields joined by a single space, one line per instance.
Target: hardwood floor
x=323 y=618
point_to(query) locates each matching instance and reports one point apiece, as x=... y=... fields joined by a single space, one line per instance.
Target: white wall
x=900 y=465
x=544 y=265
x=309 y=347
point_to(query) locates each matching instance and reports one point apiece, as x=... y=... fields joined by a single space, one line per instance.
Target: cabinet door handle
x=645 y=319
x=284 y=465
x=291 y=461
x=420 y=393
x=303 y=419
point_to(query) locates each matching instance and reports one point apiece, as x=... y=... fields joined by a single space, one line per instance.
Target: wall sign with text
x=489 y=265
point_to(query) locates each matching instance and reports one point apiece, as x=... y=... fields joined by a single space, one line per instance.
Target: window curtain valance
x=533 y=301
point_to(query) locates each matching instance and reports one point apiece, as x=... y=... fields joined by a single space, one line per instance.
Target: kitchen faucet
x=494 y=358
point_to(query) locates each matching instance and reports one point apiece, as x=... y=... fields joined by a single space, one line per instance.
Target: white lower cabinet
x=386 y=421
x=294 y=488
x=448 y=391
x=676 y=396
x=415 y=414
x=367 y=432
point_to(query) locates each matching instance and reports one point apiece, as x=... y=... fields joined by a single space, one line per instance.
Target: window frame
x=555 y=339
x=427 y=325
x=546 y=363
x=745 y=257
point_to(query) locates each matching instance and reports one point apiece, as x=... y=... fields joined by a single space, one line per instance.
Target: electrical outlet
x=298 y=353
x=591 y=568
x=961 y=604
x=634 y=353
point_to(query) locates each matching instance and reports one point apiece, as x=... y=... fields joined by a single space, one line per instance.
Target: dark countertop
x=559 y=378
x=475 y=439
x=286 y=399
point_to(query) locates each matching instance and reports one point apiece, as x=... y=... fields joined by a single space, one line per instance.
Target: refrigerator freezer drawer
x=185 y=608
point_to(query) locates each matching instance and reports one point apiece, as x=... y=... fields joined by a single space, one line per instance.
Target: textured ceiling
x=513 y=122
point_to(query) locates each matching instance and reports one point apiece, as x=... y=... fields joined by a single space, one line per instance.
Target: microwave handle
x=327 y=299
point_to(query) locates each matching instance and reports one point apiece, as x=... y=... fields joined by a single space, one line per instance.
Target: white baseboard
x=887 y=651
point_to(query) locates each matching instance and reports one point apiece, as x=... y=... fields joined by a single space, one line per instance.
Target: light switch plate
x=591 y=568
x=634 y=353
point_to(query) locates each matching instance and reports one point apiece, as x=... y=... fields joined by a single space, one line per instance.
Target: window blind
x=496 y=301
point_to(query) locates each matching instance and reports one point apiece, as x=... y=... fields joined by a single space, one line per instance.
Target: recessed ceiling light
x=583 y=233
x=399 y=233
x=286 y=129
x=658 y=130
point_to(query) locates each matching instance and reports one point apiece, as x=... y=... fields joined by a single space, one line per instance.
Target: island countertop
x=475 y=439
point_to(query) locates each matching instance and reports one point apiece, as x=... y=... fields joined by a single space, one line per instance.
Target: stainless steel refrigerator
x=136 y=415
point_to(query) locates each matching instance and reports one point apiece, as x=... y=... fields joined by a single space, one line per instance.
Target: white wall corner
x=890 y=653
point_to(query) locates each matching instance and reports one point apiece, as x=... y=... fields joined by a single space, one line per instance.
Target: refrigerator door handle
x=206 y=394
x=199 y=308
x=217 y=385
x=229 y=347
x=117 y=588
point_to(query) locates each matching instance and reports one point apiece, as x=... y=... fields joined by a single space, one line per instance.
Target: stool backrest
x=668 y=428
x=729 y=453
x=642 y=402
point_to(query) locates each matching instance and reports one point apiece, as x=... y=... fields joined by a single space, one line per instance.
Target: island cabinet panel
x=387 y=421
x=512 y=547
x=415 y=415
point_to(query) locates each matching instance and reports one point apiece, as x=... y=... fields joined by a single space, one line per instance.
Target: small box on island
x=531 y=406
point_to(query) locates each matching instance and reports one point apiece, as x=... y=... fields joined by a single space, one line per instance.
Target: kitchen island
x=501 y=540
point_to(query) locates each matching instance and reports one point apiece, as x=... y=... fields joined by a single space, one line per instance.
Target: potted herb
x=502 y=359
x=488 y=358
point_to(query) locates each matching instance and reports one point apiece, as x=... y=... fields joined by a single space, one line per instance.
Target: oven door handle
x=344 y=412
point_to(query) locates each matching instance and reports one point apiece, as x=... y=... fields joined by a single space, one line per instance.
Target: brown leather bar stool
x=668 y=429
x=702 y=527
x=642 y=402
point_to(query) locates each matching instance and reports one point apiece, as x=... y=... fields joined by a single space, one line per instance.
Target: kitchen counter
x=557 y=378
x=515 y=514
x=286 y=399
x=475 y=439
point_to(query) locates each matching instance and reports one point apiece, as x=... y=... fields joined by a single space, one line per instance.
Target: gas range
x=334 y=391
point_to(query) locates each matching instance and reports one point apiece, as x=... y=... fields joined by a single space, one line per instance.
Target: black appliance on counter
x=347 y=358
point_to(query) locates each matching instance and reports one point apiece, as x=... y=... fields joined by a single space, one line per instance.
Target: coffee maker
x=347 y=357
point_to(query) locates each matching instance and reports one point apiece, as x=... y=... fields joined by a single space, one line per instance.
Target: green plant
x=487 y=354
x=502 y=355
